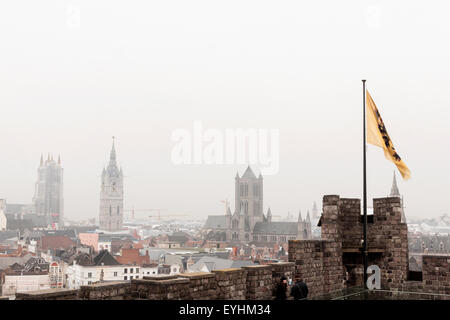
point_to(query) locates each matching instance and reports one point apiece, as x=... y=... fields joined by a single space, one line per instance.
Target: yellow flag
x=378 y=136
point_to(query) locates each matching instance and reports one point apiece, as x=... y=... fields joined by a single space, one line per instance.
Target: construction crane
x=145 y=210
x=154 y=216
x=168 y=215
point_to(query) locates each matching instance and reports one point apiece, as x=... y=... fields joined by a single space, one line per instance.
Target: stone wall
x=253 y=282
x=161 y=288
x=202 y=285
x=318 y=263
x=119 y=290
x=231 y=284
x=49 y=294
x=259 y=282
x=279 y=270
x=435 y=277
x=387 y=237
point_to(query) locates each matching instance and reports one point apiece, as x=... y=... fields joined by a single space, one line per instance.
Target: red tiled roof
x=56 y=242
x=131 y=257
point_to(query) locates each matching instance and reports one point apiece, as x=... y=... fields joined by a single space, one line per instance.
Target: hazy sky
x=75 y=73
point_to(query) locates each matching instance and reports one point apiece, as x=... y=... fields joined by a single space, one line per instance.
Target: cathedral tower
x=48 y=198
x=248 y=204
x=111 y=195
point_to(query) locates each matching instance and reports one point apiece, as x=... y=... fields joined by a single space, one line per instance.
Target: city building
x=111 y=195
x=86 y=269
x=248 y=222
x=32 y=276
x=48 y=195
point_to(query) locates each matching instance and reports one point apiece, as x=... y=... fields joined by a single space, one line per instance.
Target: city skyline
x=77 y=77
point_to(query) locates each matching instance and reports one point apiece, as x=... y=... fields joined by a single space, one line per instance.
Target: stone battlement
x=252 y=282
x=327 y=266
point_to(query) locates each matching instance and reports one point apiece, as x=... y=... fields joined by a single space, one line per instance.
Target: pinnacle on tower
x=308 y=219
x=112 y=155
x=315 y=211
x=269 y=212
x=300 y=216
x=228 y=211
x=42 y=160
x=394 y=189
x=59 y=159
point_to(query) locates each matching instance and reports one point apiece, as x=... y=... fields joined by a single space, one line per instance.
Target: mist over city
x=248 y=150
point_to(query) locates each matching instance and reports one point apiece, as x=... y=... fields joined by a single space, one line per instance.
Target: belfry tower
x=111 y=195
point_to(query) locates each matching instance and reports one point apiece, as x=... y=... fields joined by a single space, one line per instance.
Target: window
x=153 y=272
x=255 y=238
x=148 y=272
x=89 y=282
x=131 y=277
x=89 y=274
x=125 y=271
x=255 y=190
x=137 y=270
x=263 y=238
x=125 y=278
x=273 y=238
x=131 y=270
x=110 y=210
x=137 y=277
x=115 y=274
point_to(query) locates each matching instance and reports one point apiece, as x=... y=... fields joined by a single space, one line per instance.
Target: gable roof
x=216 y=222
x=214 y=263
x=104 y=258
x=276 y=228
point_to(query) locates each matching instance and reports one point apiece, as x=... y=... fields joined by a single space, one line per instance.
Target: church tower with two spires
x=111 y=195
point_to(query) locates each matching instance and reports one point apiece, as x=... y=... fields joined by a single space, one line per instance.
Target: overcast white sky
x=75 y=73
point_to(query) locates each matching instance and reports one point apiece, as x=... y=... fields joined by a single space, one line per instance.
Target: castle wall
x=229 y=284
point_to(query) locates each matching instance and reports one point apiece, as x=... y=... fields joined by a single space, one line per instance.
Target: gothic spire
x=59 y=159
x=300 y=216
x=112 y=156
x=314 y=210
x=42 y=160
x=394 y=189
x=308 y=219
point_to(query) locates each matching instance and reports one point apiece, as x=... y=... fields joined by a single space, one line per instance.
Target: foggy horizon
x=72 y=81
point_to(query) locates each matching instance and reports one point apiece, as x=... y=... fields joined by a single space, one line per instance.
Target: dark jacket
x=280 y=292
x=299 y=290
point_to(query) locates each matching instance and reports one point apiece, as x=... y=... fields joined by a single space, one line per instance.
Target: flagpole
x=364 y=188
